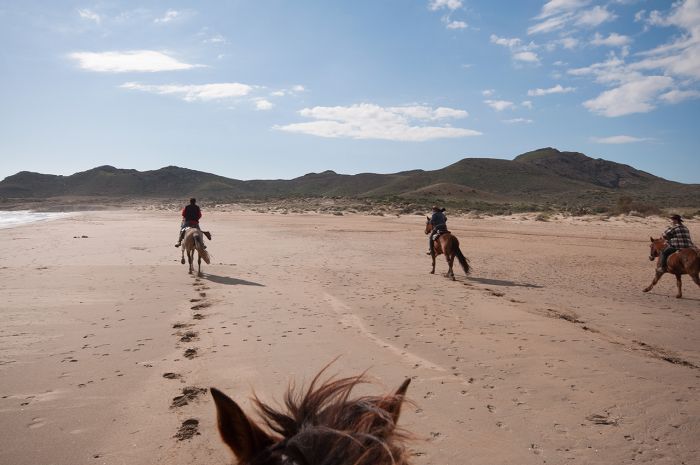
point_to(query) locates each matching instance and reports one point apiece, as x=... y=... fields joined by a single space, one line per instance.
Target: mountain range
x=544 y=177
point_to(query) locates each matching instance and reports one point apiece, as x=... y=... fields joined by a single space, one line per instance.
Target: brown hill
x=541 y=177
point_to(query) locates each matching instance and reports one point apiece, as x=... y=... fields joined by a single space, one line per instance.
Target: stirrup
x=178 y=244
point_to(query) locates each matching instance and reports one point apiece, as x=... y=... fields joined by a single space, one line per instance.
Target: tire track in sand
x=347 y=317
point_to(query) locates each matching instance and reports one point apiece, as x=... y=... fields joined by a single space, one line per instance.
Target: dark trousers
x=665 y=254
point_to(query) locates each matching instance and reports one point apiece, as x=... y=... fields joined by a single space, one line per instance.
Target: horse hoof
x=646 y=289
x=679 y=296
x=182 y=261
x=432 y=272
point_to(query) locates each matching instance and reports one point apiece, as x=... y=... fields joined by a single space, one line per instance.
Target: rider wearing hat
x=677 y=237
x=438 y=220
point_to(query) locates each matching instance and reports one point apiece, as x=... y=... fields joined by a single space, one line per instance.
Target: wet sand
x=548 y=353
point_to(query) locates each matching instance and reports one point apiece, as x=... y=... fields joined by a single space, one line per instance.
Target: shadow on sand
x=230 y=281
x=498 y=282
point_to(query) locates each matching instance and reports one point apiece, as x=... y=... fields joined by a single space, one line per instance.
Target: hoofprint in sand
x=549 y=351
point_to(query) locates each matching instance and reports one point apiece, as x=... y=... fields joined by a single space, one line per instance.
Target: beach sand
x=548 y=353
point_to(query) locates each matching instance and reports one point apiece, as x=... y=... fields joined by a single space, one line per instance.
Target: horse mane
x=323 y=426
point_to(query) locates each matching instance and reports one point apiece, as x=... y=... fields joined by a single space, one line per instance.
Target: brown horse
x=321 y=426
x=194 y=241
x=685 y=261
x=448 y=244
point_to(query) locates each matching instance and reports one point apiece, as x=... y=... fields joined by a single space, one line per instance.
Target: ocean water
x=17 y=218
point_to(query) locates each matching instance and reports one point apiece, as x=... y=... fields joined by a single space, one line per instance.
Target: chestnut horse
x=685 y=261
x=319 y=426
x=193 y=241
x=448 y=244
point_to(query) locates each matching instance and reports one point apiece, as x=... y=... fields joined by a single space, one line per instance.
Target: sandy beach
x=548 y=352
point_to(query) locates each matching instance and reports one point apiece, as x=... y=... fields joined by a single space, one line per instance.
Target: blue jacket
x=438 y=219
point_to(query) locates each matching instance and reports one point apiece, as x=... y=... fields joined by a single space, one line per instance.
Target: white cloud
x=369 y=121
x=595 y=17
x=128 y=61
x=215 y=39
x=519 y=52
x=451 y=5
x=488 y=92
x=499 y=105
x=456 y=25
x=89 y=15
x=298 y=88
x=632 y=97
x=677 y=96
x=618 y=139
x=263 y=104
x=613 y=40
x=170 y=15
x=558 y=89
x=510 y=43
x=278 y=93
x=569 y=14
x=662 y=75
x=550 y=24
x=556 y=7
x=193 y=92
x=517 y=120
x=528 y=57
x=569 y=43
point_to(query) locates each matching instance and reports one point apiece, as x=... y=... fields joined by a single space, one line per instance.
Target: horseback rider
x=677 y=237
x=438 y=221
x=190 y=218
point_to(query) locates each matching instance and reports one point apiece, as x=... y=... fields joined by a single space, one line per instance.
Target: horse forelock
x=323 y=426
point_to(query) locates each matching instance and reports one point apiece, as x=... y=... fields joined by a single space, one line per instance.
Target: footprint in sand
x=190 y=353
x=188 y=336
x=181 y=325
x=188 y=429
x=37 y=422
x=189 y=394
x=172 y=375
x=200 y=306
x=197 y=316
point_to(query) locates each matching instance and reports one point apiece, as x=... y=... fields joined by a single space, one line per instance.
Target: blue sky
x=276 y=89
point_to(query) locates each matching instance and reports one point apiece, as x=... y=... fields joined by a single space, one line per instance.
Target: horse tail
x=464 y=261
x=205 y=256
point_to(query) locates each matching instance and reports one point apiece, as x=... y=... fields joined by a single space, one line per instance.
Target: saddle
x=439 y=232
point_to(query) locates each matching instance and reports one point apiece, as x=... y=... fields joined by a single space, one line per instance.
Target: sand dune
x=548 y=353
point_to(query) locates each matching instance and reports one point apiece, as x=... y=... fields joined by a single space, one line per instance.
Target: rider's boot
x=179 y=241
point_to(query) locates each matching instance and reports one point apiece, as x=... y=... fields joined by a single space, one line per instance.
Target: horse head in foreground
x=685 y=261
x=194 y=241
x=448 y=244
x=321 y=426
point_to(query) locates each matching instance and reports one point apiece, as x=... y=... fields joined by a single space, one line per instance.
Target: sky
x=275 y=89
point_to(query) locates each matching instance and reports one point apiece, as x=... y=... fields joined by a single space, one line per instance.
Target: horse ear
x=243 y=436
x=394 y=402
x=651 y=239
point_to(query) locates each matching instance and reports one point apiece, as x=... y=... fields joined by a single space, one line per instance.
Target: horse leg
x=199 y=264
x=657 y=276
x=190 y=258
x=433 y=257
x=678 y=283
x=450 y=261
x=182 y=260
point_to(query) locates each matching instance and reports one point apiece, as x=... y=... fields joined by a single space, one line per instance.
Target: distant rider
x=190 y=218
x=438 y=221
x=677 y=237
